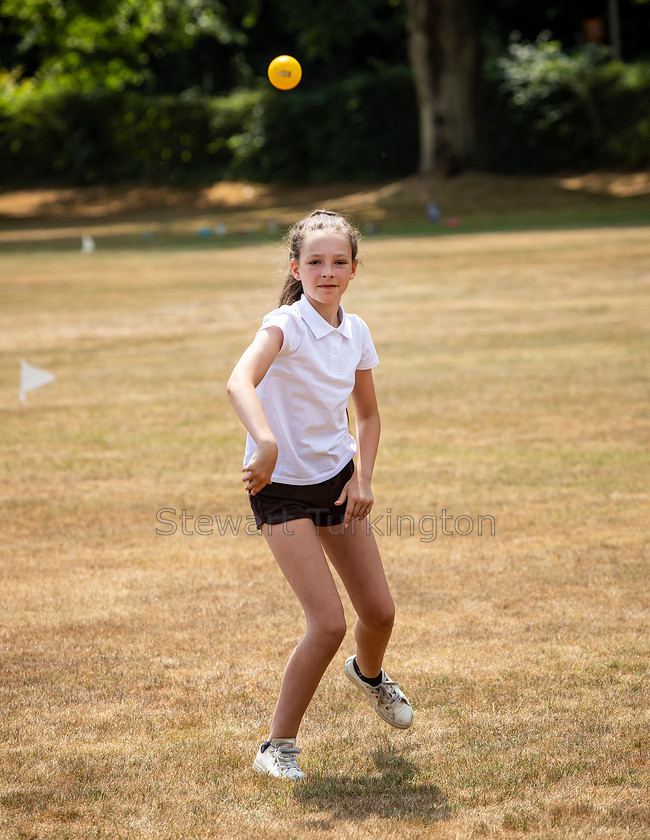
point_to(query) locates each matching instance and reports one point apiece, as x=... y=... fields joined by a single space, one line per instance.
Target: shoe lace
x=286 y=757
x=390 y=693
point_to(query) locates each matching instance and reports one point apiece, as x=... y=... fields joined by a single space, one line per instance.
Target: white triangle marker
x=32 y=377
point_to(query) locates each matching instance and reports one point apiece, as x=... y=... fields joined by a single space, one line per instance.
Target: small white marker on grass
x=32 y=377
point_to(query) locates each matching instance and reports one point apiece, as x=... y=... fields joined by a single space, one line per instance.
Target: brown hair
x=316 y=220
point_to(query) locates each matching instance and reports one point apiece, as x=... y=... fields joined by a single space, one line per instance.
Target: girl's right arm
x=248 y=373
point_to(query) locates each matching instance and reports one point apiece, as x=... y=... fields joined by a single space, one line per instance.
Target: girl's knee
x=336 y=633
x=380 y=617
x=329 y=633
x=386 y=618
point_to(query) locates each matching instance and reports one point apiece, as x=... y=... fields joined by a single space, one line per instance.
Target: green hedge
x=548 y=109
x=103 y=136
x=363 y=128
x=544 y=110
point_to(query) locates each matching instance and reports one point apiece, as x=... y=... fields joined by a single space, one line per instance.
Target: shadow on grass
x=392 y=793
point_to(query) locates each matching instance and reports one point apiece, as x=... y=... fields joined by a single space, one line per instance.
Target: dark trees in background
x=445 y=52
x=98 y=90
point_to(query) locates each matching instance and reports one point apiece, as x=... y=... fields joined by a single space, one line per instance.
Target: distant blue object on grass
x=204 y=232
x=433 y=212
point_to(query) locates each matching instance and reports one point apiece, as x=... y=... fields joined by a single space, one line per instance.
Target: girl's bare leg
x=355 y=556
x=299 y=554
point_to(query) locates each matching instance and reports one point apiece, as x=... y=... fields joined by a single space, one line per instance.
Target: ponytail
x=291 y=291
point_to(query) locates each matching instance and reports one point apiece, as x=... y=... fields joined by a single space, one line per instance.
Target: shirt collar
x=317 y=324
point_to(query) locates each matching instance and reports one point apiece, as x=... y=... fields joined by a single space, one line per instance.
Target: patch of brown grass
x=139 y=671
x=478 y=200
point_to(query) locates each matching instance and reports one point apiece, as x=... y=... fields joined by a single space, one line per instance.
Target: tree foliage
x=215 y=45
x=105 y=89
x=559 y=108
x=112 y=43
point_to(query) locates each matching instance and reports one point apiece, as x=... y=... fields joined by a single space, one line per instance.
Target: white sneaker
x=387 y=699
x=278 y=758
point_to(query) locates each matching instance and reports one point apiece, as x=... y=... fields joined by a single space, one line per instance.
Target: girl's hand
x=357 y=497
x=258 y=471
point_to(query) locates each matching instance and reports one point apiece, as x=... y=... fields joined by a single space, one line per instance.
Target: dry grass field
x=139 y=669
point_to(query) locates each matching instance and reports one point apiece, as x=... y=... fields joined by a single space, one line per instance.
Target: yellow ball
x=284 y=72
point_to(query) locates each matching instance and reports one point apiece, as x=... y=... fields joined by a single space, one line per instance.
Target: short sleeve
x=369 y=358
x=285 y=318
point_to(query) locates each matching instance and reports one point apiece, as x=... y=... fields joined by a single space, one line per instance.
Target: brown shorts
x=277 y=502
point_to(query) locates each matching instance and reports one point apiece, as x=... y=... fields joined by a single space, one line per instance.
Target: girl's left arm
x=357 y=492
x=366 y=412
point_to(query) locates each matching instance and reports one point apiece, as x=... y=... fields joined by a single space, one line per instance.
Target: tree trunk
x=445 y=55
x=614 y=20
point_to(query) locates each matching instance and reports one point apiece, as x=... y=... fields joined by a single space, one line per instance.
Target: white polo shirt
x=305 y=392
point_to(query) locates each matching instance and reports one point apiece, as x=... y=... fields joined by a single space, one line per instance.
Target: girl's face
x=325 y=267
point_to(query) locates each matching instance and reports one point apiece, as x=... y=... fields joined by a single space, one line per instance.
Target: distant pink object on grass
x=452 y=222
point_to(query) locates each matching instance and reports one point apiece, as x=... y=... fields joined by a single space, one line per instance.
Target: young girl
x=291 y=389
